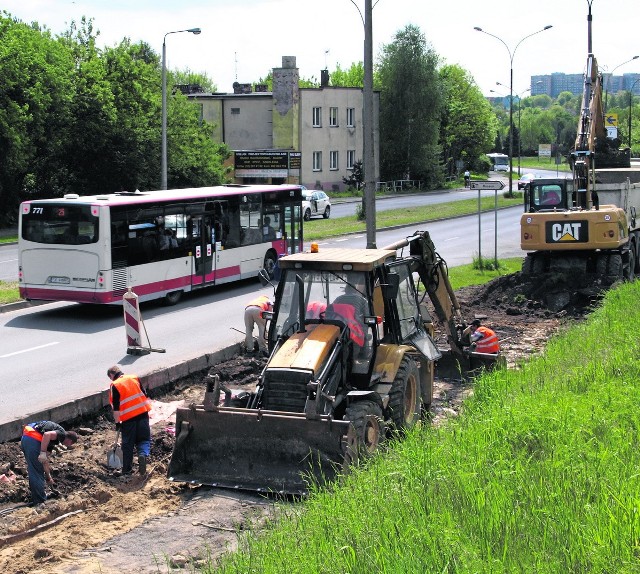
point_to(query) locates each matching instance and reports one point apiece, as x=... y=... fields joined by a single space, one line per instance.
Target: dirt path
x=97 y=522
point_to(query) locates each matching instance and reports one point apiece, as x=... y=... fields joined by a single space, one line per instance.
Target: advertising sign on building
x=544 y=150
x=261 y=163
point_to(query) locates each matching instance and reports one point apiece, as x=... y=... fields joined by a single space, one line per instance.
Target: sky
x=242 y=40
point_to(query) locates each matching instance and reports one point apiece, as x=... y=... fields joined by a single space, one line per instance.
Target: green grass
x=9 y=239
x=539 y=474
x=467 y=275
x=9 y=292
x=322 y=228
x=541 y=163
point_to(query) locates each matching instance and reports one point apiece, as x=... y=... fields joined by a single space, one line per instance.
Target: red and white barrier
x=133 y=325
x=132 y=321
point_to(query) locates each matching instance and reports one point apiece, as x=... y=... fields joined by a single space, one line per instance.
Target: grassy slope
x=540 y=475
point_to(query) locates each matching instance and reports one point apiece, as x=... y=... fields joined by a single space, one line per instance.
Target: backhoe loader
x=352 y=361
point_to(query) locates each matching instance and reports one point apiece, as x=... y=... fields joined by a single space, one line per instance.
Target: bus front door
x=203 y=247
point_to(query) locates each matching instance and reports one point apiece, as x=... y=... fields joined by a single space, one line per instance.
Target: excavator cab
x=547 y=195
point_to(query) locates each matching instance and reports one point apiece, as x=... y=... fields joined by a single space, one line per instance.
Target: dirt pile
x=83 y=524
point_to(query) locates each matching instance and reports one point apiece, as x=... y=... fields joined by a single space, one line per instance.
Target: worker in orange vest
x=482 y=339
x=253 y=315
x=131 y=413
x=38 y=440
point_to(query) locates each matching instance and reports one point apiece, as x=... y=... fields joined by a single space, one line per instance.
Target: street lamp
x=630 y=102
x=163 y=169
x=511 y=55
x=519 y=96
x=606 y=86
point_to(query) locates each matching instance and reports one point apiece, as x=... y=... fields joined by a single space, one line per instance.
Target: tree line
x=78 y=119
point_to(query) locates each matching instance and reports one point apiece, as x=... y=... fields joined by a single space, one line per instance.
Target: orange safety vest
x=133 y=401
x=315 y=309
x=489 y=341
x=33 y=433
x=262 y=302
x=348 y=312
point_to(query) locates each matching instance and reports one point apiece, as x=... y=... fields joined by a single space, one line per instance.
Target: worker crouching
x=253 y=315
x=481 y=339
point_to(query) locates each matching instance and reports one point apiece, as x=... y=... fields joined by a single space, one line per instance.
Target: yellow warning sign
x=611 y=120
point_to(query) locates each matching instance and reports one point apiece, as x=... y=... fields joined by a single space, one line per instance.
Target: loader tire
x=615 y=267
x=601 y=265
x=368 y=426
x=404 y=396
x=630 y=267
x=527 y=265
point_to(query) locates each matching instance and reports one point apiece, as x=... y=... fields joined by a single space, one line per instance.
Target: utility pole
x=368 y=128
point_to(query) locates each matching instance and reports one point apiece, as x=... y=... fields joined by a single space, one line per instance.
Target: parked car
x=525 y=179
x=315 y=202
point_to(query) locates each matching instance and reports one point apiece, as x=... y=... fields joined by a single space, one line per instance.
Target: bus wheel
x=270 y=264
x=173 y=297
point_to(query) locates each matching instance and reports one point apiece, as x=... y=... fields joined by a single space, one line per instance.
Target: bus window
x=60 y=224
x=250 y=221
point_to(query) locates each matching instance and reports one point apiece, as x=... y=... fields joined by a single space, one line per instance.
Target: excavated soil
x=95 y=521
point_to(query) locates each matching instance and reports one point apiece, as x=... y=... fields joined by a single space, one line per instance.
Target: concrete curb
x=93 y=403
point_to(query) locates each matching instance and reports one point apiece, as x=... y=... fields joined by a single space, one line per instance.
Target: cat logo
x=567 y=231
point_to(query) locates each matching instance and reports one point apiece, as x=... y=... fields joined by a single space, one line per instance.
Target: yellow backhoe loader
x=352 y=361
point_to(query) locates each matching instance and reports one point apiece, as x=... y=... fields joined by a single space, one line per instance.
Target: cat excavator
x=352 y=361
x=586 y=224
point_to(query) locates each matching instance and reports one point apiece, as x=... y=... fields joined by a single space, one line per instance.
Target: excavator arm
x=433 y=273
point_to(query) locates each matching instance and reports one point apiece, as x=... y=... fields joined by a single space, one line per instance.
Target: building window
x=333 y=160
x=333 y=117
x=317 y=117
x=317 y=161
x=351 y=158
x=351 y=117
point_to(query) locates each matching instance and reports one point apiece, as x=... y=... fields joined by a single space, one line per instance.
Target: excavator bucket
x=467 y=365
x=264 y=451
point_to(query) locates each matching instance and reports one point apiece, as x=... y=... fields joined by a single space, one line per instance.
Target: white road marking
x=28 y=350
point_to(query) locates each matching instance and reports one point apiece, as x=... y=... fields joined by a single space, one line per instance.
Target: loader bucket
x=264 y=451
x=466 y=365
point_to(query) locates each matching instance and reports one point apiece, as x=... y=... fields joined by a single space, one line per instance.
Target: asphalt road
x=59 y=352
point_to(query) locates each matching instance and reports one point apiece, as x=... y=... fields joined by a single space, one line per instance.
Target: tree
x=468 y=124
x=351 y=78
x=410 y=106
x=356 y=178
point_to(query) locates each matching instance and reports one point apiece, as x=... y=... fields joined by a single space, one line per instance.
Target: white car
x=315 y=202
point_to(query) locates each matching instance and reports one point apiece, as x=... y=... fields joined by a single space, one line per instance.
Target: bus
x=499 y=161
x=161 y=244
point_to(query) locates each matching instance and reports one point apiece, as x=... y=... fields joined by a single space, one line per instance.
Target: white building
x=310 y=136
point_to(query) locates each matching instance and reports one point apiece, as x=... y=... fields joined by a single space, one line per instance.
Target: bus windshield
x=60 y=224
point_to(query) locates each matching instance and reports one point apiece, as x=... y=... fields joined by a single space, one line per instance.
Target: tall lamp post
x=631 y=102
x=606 y=84
x=163 y=169
x=519 y=96
x=511 y=55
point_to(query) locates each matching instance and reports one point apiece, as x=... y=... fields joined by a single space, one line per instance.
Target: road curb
x=92 y=404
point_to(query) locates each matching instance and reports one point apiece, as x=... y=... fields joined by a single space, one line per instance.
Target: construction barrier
x=132 y=324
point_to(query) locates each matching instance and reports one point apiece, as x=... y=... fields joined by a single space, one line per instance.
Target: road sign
x=611 y=120
x=489 y=184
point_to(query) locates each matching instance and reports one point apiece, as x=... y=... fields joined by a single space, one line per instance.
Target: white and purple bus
x=91 y=249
